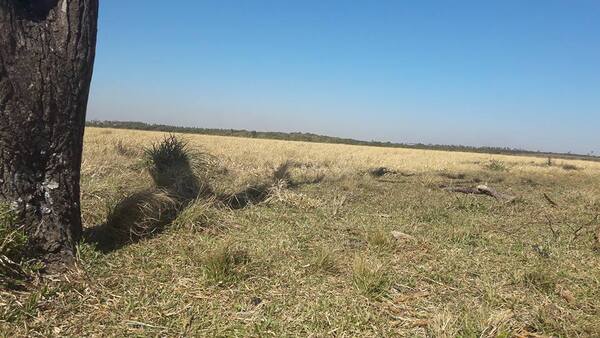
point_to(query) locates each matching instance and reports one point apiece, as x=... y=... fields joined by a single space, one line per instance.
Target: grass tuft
x=125 y=150
x=324 y=259
x=12 y=241
x=496 y=165
x=171 y=151
x=472 y=271
x=198 y=215
x=370 y=276
x=220 y=265
x=378 y=238
x=540 y=278
x=173 y=165
x=13 y=246
x=570 y=167
x=282 y=172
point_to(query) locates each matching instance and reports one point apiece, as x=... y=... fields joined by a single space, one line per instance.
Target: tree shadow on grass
x=140 y=215
x=260 y=192
x=147 y=213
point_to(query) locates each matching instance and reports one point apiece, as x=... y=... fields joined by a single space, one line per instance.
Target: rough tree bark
x=47 y=50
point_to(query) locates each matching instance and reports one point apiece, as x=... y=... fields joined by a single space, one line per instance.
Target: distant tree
x=47 y=50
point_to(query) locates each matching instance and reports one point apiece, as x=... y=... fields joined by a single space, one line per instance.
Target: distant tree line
x=310 y=137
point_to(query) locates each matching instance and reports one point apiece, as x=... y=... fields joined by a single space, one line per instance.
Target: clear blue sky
x=502 y=73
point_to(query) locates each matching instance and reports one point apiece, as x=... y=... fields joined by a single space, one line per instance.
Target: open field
x=327 y=249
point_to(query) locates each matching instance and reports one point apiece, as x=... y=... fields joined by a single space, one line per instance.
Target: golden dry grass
x=317 y=257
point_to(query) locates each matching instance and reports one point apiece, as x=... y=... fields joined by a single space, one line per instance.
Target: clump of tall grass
x=220 y=264
x=167 y=153
x=378 y=238
x=171 y=163
x=323 y=259
x=198 y=215
x=174 y=166
x=13 y=249
x=282 y=173
x=370 y=276
x=541 y=278
x=496 y=165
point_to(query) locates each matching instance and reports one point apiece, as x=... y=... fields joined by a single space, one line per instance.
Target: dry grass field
x=300 y=239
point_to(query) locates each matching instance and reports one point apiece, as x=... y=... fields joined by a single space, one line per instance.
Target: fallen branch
x=481 y=190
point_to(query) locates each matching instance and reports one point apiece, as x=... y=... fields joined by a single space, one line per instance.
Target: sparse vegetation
x=568 y=166
x=496 y=165
x=16 y=266
x=370 y=276
x=378 y=238
x=13 y=243
x=322 y=248
x=169 y=161
x=220 y=264
x=323 y=259
x=125 y=150
x=540 y=278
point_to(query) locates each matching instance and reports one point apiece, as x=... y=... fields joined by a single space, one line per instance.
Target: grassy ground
x=338 y=253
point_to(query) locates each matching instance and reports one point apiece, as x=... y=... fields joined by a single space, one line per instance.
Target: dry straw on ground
x=327 y=249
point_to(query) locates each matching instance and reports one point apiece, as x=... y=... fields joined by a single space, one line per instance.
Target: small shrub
x=370 y=277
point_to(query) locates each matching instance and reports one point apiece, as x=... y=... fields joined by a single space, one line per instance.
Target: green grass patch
x=370 y=276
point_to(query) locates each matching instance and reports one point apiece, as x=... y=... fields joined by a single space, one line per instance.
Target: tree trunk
x=47 y=50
